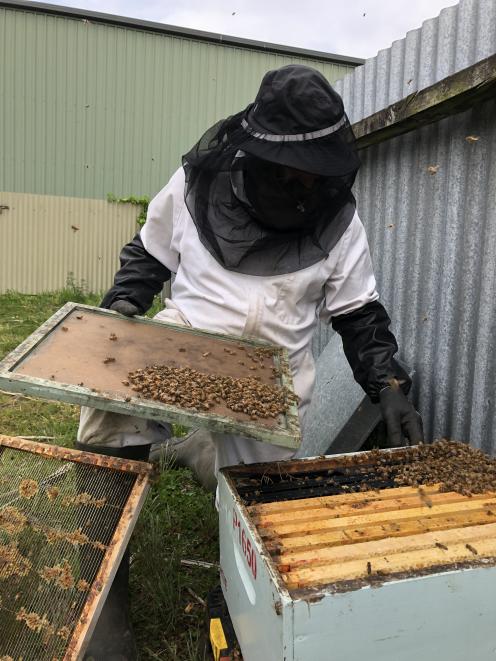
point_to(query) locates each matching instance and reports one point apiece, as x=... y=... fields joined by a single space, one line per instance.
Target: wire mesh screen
x=58 y=519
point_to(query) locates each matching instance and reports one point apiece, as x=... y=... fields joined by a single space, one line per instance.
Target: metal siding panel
x=7 y=114
x=410 y=65
x=40 y=250
x=427 y=53
x=485 y=44
x=433 y=236
x=446 y=42
x=94 y=108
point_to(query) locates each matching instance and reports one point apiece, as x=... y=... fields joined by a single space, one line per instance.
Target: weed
x=75 y=291
x=142 y=202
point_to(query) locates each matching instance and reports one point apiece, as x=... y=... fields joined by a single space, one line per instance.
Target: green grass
x=178 y=520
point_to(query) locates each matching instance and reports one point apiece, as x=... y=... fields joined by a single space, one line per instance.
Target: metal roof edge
x=152 y=26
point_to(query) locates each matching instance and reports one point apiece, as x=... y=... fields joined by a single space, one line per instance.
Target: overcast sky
x=358 y=28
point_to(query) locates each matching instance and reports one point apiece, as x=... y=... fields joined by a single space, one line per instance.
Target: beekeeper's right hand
x=126 y=308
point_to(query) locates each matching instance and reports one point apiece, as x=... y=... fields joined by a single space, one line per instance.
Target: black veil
x=250 y=217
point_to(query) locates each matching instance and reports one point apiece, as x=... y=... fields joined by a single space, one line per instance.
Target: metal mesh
x=57 y=519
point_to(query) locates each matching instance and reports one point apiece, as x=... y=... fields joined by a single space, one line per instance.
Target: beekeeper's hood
x=269 y=189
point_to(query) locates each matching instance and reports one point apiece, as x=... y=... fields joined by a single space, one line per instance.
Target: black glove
x=400 y=417
x=369 y=346
x=125 y=307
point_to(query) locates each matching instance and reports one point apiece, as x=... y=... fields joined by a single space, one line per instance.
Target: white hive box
x=388 y=574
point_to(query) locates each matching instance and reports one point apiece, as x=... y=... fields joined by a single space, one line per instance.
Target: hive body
x=395 y=574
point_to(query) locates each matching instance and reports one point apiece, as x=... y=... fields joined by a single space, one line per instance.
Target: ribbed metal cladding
x=48 y=241
x=89 y=108
x=433 y=235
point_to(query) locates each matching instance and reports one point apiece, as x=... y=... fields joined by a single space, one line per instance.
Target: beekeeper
x=260 y=228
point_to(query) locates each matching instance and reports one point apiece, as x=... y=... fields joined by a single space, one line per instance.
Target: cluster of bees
x=457 y=466
x=61 y=575
x=84 y=499
x=258 y=400
x=188 y=388
x=12 y=520
x=74 y=537
x=28 y=488
x=12 y=562
x=40 y=623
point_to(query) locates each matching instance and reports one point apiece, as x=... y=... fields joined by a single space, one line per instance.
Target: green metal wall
x=88 y=108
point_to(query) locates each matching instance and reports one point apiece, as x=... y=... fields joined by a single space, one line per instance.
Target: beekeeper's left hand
x=403 y=422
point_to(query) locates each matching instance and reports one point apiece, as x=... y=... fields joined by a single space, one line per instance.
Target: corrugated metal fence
x=48 y=240
x=428 y=202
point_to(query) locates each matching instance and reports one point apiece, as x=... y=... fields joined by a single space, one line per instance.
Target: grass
x=177 y=522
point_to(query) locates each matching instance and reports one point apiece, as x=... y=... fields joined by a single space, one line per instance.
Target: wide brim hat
x=298 y=120
x=247 y=216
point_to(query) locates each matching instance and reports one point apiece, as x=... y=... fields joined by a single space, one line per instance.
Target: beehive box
x=83 y=355
x=333 y=559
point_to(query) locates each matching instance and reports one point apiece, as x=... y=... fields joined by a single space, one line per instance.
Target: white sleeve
x=158 y=232
x=352 y=282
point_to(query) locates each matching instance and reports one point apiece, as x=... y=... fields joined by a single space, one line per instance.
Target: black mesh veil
x=251 y=213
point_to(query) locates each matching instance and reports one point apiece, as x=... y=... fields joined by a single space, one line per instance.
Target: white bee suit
x=282 y=309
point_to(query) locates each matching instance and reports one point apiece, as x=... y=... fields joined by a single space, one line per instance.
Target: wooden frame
x=285 y=434
x=447 y=97
x=120 y=539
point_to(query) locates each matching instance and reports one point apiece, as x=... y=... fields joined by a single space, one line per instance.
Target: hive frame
x=485 y=500
x=287 y=434
x=120 y=539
